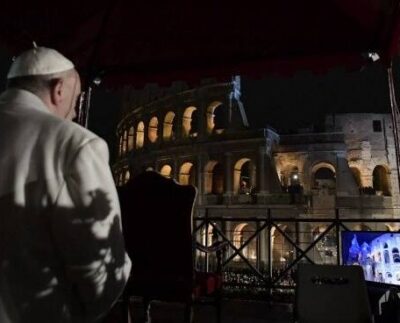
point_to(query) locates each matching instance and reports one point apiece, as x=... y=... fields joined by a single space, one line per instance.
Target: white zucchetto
x=39 y=61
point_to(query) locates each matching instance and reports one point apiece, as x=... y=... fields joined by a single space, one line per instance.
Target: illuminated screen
x=376 y=252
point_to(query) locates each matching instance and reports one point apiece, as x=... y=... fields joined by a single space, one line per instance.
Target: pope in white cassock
x=62 y=256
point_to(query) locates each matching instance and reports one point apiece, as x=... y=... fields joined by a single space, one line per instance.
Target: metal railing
x=252 y=257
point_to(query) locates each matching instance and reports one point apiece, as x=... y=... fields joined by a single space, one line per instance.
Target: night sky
x=285 y=103
x=304 y=99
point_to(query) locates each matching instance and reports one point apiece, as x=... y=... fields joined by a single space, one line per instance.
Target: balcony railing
x=264 y=249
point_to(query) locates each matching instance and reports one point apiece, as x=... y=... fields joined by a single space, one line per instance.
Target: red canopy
x=162 y=41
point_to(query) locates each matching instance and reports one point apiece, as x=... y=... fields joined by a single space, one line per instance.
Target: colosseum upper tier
x=202 y=136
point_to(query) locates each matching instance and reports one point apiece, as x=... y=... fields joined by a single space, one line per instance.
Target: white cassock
x=62 y=256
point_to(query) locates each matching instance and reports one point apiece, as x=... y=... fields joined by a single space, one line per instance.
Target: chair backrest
x=327 y=293
x=157 y=226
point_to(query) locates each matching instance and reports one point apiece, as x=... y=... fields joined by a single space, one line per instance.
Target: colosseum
x=203 y=137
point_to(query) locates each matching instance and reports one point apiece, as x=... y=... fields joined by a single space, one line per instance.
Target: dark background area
x=285 y=103
x=304 y=99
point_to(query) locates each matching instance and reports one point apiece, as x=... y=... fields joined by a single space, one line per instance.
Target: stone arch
x=380 y=180
x=121 y=144
x=140 y=135
x=168 y=127
x=124 y=142
x=357 y=176
x=215 y=117
x=368 y=226
x=323 y=175
x=194 y=124
x=166 y=170
x=282 y=250
x=241 y=234
x=189 y=122
x=214 y=178
x=392 y=226
x=242 y=176
x=131 y=138
x=208 y=176
x=121 y=178
x=210 y=233
x=361 y=227
x=187 y=174
x=153 y=129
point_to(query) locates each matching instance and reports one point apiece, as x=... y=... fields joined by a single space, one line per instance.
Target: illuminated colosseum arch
x=242 y=181
x=120 y=179
x=140 y=135
x=166 y=171
x=189 y=126
x=215 y=117
x=357 y=176
x=371 y=226
x=380 y=180
x=168 y=127
x=207 y=239
x=131 y=138
x=213 y=178
x=123 y=143
x=241 y=234
x=360 y=227
x=323 y=175
x=391 y=227
x=120 y=145
x=282 y=249
x=187 y=174
x=153 y=129
x=194 y=124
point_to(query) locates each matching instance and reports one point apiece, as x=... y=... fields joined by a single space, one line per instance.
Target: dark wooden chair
x=157 y=224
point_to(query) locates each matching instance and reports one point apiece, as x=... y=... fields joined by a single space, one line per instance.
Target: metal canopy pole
x=84 y=107
x=395 y=119
x=93 y=75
